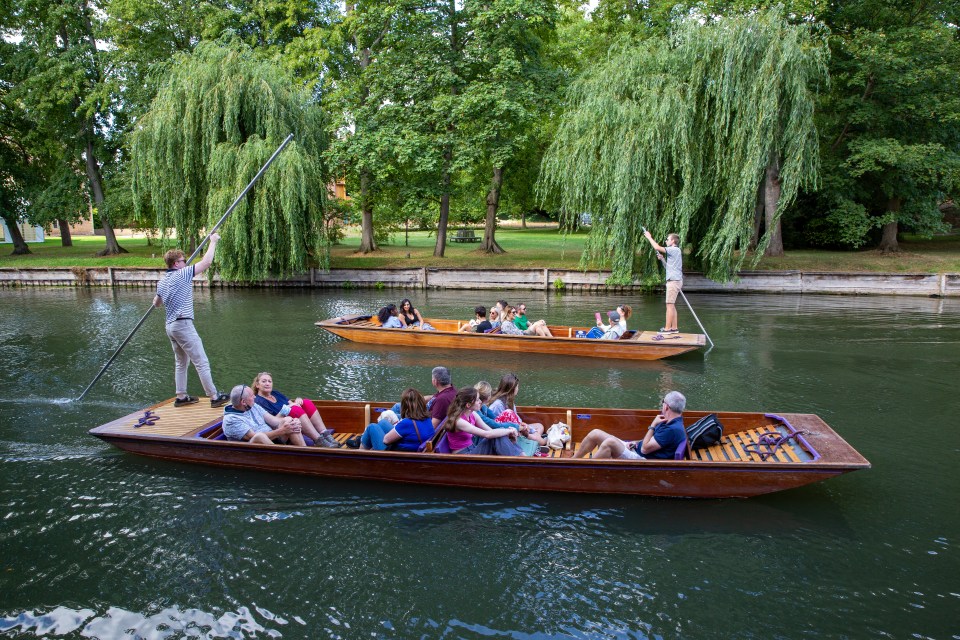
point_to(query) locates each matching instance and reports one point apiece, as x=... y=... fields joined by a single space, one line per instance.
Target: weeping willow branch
x=213 y=124
x=675 y=135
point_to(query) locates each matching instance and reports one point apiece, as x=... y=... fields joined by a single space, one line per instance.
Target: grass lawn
x=538 y=247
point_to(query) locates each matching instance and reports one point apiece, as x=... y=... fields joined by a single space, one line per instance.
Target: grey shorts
x=631 y=454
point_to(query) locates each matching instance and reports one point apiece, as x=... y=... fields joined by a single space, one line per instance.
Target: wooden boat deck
x=179 y=422
x=728 y=469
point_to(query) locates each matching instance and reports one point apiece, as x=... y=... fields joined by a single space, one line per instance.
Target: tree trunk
x=444 y=206
x=20 y=247
x=455 y=50
x=888 y=241
x=771 y=198
x=493 y=203
x=523 y=219
x=757 y=218
x=112 y=247
x=367 y=242
x=66 y=240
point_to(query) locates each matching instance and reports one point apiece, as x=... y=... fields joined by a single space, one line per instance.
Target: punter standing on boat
x=175 y=292
x=674 y=263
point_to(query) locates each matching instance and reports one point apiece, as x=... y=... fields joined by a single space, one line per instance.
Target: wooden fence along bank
x=911 y=284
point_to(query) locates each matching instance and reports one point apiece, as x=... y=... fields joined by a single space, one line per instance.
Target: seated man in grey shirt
x=244 y=419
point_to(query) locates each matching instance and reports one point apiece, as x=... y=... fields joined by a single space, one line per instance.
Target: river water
x=98 y=543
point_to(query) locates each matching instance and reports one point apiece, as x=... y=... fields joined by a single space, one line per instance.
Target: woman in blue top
x=414 y=428
x=389 y=318
x=302 y=409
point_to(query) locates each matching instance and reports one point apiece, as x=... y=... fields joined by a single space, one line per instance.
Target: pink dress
x=461 y=439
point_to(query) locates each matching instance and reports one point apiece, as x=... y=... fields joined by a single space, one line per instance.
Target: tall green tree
x=359 y=150
x=511 y=88
x=891 y=122
x=65 y=90
x=16 y=170
x=679 y=135
x=219 y=115
x=421 y=72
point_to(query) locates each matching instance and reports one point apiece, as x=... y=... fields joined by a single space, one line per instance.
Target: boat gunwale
x=509 y=461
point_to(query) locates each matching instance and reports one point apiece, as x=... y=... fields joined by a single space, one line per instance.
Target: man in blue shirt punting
x=664 y=436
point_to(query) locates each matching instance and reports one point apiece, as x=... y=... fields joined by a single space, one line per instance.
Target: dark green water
x=98 y=543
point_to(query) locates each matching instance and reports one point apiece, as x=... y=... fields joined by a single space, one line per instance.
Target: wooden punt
x=635 y=345
x=729 y=469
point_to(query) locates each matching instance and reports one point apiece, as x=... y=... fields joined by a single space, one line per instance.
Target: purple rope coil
x=148 y=419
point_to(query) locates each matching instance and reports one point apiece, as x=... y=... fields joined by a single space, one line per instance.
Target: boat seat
x=213 y=432
x=681 y=453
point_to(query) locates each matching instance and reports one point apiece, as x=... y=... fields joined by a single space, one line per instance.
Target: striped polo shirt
x=176 y=291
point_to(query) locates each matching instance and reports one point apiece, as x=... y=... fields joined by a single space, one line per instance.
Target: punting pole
x=694 y=313
x=190 y=260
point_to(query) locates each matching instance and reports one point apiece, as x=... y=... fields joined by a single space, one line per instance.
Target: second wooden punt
x=740 y=465
x=635 y=345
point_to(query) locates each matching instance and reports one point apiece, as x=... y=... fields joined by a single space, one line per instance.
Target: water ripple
x=170 y=622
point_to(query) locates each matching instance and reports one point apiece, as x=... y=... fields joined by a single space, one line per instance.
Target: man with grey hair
x=446 y=392
x=664 y=436
x=244 y=419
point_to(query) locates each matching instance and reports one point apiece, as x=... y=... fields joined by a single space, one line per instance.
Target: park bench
x=464 y=235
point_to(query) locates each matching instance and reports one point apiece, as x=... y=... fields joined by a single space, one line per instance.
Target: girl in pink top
x=463 y=423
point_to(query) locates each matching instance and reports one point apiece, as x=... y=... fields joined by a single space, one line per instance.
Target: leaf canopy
x=215 y=121
x=675 y=135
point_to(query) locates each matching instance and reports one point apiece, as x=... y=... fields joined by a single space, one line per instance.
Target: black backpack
x=705 y=432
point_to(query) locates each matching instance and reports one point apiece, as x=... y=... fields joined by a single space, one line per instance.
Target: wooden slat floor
x=172 y=421
x=681 y=339
x=731 y=449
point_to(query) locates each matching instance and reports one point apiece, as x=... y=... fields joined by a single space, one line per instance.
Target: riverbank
x=558 y=280
x=533 y=248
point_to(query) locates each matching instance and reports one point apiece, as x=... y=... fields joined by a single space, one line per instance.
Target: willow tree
x=679 y=135
x=215 y=120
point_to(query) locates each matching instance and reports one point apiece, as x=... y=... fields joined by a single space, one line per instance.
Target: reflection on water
x=171 y=622
x=98 y=543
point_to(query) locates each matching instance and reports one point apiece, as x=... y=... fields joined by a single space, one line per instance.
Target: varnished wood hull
x=646 y=345
x=673 y=478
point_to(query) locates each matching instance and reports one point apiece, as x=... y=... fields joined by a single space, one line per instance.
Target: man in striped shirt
x=175 y=293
